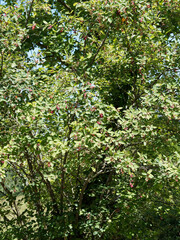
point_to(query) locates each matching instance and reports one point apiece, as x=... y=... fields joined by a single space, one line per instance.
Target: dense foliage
x=89 y=120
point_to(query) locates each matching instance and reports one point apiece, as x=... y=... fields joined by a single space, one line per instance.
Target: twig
x=66 y=6
x=93 y=59
x=30 y=10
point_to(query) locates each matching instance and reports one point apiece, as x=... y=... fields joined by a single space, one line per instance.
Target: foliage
x=89 y=111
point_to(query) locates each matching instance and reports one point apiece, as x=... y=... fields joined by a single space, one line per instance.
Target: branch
x=63 y=62
x=63 y=162
x=109 y=179
x=30 y=10
x=12 y=203
x=93 y=59
x=66 y=6
x=1 y=71
x=15 y=167
x=153 y=83
x=86 y=182
x=32 y=175
x=51 y=193
x=7 y=190
x=46 y=182
x=149 y=87
x=82 y=194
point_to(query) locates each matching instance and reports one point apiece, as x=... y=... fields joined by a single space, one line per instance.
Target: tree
x=90 y=120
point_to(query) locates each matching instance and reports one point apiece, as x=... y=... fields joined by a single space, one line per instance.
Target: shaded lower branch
x=51 y=193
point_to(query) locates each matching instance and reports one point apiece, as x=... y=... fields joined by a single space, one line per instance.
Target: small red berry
x=33 y=26
x=131 y=185
x=50 y=26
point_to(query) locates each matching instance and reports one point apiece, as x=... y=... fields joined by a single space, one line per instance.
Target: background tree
x=89 y=120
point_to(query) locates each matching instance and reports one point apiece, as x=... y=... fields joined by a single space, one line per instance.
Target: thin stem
x=30 y=10
x=66 y=6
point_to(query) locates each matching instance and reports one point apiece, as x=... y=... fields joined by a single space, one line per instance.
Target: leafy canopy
x=89 y=110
